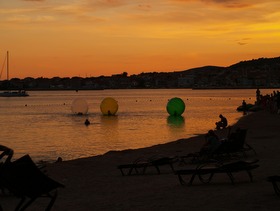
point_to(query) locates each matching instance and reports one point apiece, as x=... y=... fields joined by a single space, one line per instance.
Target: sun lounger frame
x=211 y=170
x=139 y=166
x=275 y=180
x=26 y=181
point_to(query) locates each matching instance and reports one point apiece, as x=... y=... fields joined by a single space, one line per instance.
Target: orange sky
x=68 y=38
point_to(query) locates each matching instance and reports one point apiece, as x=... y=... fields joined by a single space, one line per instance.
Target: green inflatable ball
x=175 y=106
x=109 y=106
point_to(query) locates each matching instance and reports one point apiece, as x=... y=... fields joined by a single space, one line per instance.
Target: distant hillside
x=256 y=73
x=256 y=63
x=262 y=72
x=204 y=69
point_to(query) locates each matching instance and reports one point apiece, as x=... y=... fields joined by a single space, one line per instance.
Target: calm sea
x=44 y=126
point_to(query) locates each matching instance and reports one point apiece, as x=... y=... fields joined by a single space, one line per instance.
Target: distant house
x=186 y=81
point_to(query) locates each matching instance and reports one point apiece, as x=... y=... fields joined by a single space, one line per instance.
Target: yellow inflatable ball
x=109 y=106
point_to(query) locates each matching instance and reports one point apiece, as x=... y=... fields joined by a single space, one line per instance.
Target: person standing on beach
x=278 y=102
x=258 y=96
x=244 y=107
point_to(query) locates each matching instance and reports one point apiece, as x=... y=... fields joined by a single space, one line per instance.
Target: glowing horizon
x=85 y=38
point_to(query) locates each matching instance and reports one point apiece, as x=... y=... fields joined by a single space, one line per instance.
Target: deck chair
x=5 y=157
x=25 y=180
x=205 y=172
x=275 y=180
x=236 y=143
x=140 y=165
x=230 y=147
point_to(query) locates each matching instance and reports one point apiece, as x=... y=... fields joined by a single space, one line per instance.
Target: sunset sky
x=66 y=38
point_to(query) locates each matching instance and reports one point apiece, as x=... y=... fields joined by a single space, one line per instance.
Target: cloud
x=225 y=3
x=243 y=41
x=34 y=0
x=21 y=19
x=232 y=3
x=107 y=3
x=166 y=15
x=144 y=6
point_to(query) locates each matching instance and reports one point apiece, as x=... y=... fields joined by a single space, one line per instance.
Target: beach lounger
x=235 y=144
x=140 y=165
x=5 y=157
x=275 y=180
x=25 y=180
x=205 y=172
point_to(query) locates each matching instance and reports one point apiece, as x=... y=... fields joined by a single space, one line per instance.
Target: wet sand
x=95 y=183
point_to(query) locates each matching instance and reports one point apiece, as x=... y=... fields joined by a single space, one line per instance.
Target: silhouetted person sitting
x=6 y=151
x=59 y=160
x=212 y=143
x=222 y=123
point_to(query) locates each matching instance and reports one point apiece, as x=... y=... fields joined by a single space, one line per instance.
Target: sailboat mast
x=7 y=65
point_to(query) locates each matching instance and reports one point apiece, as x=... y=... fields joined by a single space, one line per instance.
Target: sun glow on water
x=44 y=126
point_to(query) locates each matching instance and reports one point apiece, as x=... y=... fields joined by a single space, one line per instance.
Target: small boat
x=248 y=107
x=19 y=93
x=11 y=93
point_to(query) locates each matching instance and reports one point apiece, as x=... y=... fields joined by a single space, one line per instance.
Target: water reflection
x=176 y=121
x=110 y=121
x=110 y=132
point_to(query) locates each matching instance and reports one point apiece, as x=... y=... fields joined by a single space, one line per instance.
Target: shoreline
x=95 y=183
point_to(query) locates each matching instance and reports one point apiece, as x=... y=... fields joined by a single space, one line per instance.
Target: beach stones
x=175 y=106
x=79 y=106
x=109 y=106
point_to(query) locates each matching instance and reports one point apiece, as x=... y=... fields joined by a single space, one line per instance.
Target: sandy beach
x=95 y=183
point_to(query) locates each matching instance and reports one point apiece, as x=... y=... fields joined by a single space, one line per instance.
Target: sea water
x=44 y=126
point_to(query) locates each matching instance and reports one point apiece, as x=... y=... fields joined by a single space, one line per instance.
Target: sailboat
x=11 y=93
